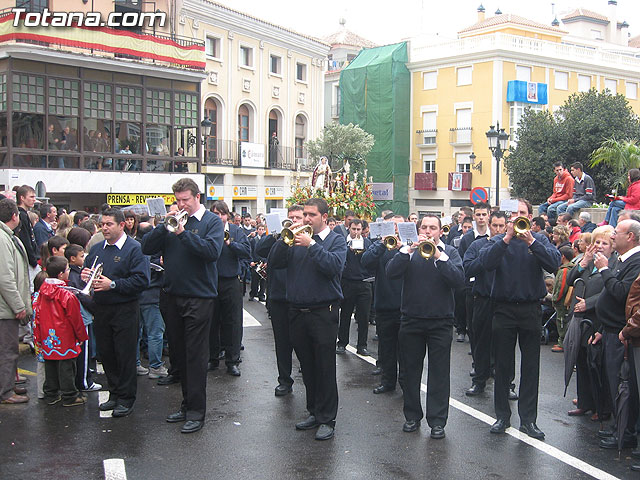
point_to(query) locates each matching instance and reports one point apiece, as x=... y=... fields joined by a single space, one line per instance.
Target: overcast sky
x=389 y=21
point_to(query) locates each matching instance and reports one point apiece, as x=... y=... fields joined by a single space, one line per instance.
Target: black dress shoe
x=377 y=371
x=472 y=372
x=364 y=352
x=108 y=405
x=308 y=424
x=384 y=389
x=282 y=390
x=325 y=432
x=192 y=426
x=121 y=411
x=606 y=433
x=169 y=380
x=233 y=370
x=213 y=365
x=635 y=468
x=513 y=395
x=437 y=433
x=177 y=417
x=500 y=426
x=340 y=349
x=411 y=426
x=474 y=390
x=532 y=430
x=612 y=442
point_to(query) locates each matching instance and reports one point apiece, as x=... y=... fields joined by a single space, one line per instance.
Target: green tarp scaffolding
x=375 y=94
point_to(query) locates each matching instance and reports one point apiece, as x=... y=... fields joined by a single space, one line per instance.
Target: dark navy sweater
x=238 y=248
x=313 y=274
x=353 y=269
x=519 y=268
x=473 y=269
x=387 y=292
x=427 y=287
x=276 y=277
x=189 y=258
x=610 y=308
x=127 y=266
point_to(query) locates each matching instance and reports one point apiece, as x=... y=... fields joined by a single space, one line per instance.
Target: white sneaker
x=140 y=370
x=159 y=372
x=93 y=388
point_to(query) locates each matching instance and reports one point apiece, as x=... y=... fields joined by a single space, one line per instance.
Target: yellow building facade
x=460 y=88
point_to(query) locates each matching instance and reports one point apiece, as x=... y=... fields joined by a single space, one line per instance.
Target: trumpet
x=96 y=271
x=289 y=234
x=226 y=236
x=174 y=221
x=446 y=229
x=390 y=242
x=426 y=249
x=521 y=225
x=286 y=223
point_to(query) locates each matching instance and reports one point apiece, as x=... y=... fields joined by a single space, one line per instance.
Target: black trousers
x=173 y=361
x=517 y=322
x=188 y=320
x=279 y=314
x=357 y=294
x=116 y=330
x=388 y=326
x=226 y=327
x=468 y=313
x=416 y=335
x=258 y=285
x=613 y=358
x=59 y=376
x=460 y=310
x=481 y=347
x=84 y=365
x=313 y=334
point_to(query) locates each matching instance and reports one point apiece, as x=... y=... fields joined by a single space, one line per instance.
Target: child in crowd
x=561 y=294
x=84 y=363
x=59 y=330
x=37 y=283
x=53 y=248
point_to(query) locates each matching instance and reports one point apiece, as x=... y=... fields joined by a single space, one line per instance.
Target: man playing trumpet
x=430 y=271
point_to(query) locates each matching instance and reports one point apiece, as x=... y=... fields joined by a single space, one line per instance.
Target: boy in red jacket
x=59 y=333
x=562 y=191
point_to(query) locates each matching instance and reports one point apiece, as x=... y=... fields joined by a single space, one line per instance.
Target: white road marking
x=543 y=447
x=249 y=320
x=114 y=469
x=103 y=397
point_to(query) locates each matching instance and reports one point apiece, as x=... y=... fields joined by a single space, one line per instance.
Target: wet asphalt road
x=249 y=433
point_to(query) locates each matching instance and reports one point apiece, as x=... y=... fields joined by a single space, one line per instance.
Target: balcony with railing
x=460 y=136
x=425 y=181
x=145 y=46
x=426 y=138
x=228 y=153
x=560 y=51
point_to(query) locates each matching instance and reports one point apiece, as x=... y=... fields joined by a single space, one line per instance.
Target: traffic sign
x=479 y=194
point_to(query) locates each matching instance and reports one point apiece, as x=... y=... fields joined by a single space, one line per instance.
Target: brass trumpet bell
x=446 y=229
x=390 y=242
x=427 y=249
x=289 y=234
x=226 y=235
x=286 y=223
x=521 y=225
x=173 y=221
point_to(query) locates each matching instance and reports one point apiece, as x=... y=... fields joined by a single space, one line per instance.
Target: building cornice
x=45 y=54
x=233 y=21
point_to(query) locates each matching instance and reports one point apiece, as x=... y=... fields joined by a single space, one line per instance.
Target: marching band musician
x=356 y=292
x=427 y=319
x=226 y=328
x=125 y=274
x=387 y=306
x=314 y=266
x=257 y=282
x=190 y=287
x=277 y=306
x=518 y=285
x=482 y=312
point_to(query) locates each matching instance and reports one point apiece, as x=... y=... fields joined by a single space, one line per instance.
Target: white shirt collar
x=323 y=234
x=579 y=180
x=629 y=253
x=476 y=233
x=440 y=244
x=119 y=243
x=199 y=213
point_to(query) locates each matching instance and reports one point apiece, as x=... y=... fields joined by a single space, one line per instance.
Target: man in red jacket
x=562 y=191
x=59 y=333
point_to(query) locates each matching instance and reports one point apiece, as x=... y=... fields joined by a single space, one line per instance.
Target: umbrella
x=622 y=399
x=573 y=336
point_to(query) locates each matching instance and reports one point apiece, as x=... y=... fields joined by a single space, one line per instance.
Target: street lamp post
x=498 y=140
